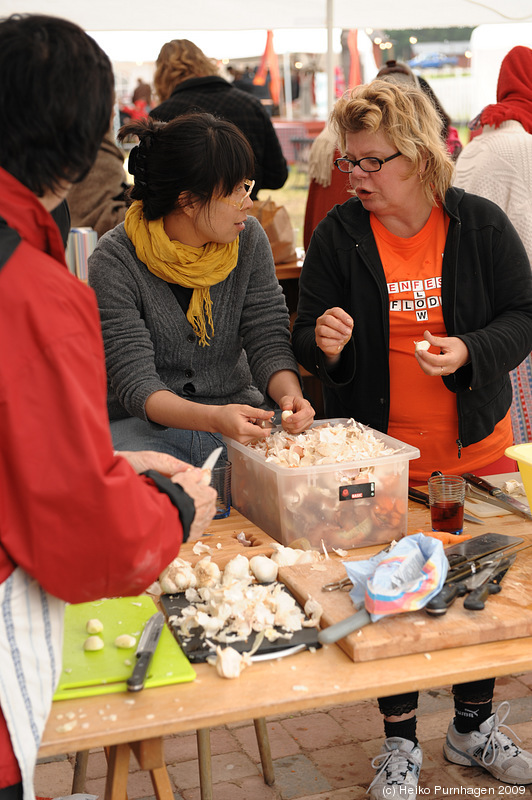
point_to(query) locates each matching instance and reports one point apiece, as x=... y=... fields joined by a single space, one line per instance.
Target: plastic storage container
x=350 y=504
x=522 y=453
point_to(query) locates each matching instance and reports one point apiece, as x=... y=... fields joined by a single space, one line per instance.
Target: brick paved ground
x=318 y=755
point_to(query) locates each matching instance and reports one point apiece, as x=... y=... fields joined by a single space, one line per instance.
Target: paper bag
x=276 y=223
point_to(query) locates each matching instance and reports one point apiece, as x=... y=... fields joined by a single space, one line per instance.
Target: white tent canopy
x=230 y=15
x=223 y=15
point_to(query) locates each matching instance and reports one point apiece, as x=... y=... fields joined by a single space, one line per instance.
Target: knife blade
x=479 y=546
x=211 y=459
x=146 y=648
x=422 y=497
x=504 y=500
x=477 y=598
x=273 y=422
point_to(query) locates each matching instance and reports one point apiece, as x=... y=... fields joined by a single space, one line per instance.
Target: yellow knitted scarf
x=197 y=268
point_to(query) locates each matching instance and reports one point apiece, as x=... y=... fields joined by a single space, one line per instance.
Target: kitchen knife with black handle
x=476 y=600
x=146 y=648
x=502 y=499
x=445 y=598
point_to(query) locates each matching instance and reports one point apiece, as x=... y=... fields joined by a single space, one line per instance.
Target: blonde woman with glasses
x=195 y=324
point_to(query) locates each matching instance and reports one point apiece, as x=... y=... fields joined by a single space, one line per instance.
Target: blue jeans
x=191 y=446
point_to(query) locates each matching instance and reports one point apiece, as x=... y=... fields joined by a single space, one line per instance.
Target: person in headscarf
x=497 y=164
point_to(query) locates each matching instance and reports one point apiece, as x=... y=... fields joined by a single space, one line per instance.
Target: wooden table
x=289 y=271
x=309 y=681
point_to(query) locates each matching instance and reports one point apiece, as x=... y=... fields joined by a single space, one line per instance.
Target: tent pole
x=288 y=111
x=330 y=57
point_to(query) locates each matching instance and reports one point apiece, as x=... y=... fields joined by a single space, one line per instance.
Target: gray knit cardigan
x=150 y=345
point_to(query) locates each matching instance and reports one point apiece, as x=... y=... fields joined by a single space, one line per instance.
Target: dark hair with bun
x=195 y=156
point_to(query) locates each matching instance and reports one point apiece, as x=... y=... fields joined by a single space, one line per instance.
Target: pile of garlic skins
x=230 y=606
x=322 y=444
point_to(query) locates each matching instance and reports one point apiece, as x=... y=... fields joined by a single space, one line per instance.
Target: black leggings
x=473 y=692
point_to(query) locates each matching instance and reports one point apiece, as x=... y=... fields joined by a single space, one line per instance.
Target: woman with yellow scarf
x=195 y=325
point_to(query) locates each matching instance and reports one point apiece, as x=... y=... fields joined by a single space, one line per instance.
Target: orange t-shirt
x=423 y=412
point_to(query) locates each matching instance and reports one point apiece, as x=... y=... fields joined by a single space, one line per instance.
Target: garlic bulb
x=422 y=345
x=287 y=414
x=236 y=569
x=286 y=556
x=177 y=576
x=307 y=556
x=207 y=572
x=264 y=569
x=229 y=662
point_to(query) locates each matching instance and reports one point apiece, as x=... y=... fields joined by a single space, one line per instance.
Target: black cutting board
x=196 y=649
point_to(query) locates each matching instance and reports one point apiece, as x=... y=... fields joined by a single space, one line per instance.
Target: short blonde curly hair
x=410 y=123
x=178 y=60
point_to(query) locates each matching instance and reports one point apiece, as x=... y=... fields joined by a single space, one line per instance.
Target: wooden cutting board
x=223 y=545
x=106 y=671
x=488 y=509
x=507 y=615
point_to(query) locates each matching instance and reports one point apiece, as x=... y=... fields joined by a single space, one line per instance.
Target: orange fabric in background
x=422 y=411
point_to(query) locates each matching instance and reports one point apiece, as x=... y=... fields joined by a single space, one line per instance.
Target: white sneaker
x=490 y=749
x=397 y=766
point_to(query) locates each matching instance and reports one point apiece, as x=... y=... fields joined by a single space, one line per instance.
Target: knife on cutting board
x=475 y=601
x=490 y=493
x=480 y=582
x=422 y=497
x=464 y=554
x=146 y=648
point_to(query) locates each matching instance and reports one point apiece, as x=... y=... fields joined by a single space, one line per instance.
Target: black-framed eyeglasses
x=367 y=164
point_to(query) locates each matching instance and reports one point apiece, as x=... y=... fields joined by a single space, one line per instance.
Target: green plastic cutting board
x=106 y=671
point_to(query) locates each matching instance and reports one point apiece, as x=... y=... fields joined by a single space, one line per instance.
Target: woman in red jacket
x=76 y=521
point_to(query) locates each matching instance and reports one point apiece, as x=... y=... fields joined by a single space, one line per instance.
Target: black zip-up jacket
x=486 y=301
x=221 y=98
